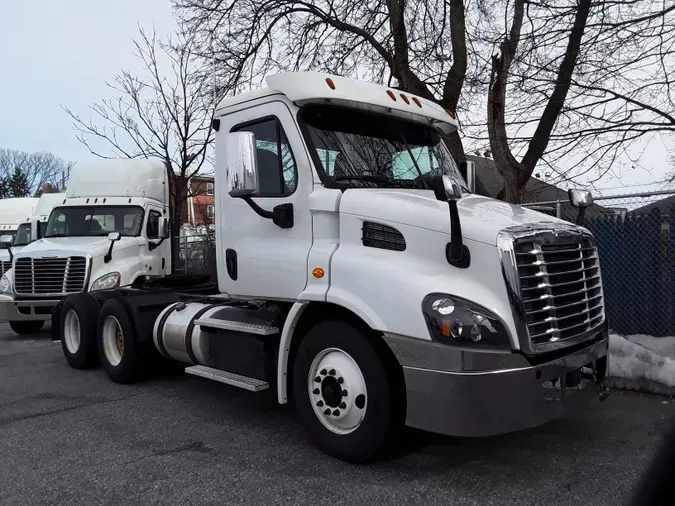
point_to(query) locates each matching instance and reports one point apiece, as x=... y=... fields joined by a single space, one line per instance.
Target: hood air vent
x=376 y=235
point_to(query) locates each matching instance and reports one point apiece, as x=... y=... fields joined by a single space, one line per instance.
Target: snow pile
x=643 y=363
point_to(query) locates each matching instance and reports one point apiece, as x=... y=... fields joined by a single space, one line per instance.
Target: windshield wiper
x=372 y=179
x=55 y=235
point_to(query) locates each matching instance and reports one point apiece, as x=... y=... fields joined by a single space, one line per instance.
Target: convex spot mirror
x=446 y=189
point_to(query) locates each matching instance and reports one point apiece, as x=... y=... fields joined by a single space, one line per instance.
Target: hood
x=482 y=217
x=97 y=246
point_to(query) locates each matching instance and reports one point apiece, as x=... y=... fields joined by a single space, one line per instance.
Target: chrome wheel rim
x=113 y=341
x=71 y=331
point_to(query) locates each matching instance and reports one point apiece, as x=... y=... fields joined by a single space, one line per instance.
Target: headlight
x=106 y=282
x=452 y=320
x=5 y=285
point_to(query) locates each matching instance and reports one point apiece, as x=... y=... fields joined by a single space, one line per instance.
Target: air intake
x=376 y=235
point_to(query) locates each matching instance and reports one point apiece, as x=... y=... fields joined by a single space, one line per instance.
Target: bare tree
x=573 y=84
x=165 y=113
x=39 y=169
x=418 y=47
x=586 y=79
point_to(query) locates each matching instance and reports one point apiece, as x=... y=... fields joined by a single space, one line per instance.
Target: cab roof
x=316 y=87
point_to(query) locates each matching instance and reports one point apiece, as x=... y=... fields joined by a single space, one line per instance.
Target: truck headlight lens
x=5 y=285
x=452 y=320
x=106 y=282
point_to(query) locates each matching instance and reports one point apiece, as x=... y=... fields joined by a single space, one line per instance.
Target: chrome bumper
x=25 y=310
x=489 y=402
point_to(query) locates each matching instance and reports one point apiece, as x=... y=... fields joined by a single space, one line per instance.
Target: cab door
x=257 y=258
x=157 y=259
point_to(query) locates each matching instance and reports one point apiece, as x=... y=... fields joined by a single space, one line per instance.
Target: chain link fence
x=636 y=243
x=196 y=255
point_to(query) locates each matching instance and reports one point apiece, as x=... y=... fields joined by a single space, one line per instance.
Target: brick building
x=199 y=209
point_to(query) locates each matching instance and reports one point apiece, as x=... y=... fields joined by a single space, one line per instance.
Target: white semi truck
x=13 y=213
x=360 y=277
x=33 y=213
x=108 y=230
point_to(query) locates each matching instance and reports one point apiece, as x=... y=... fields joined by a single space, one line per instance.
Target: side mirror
x=470 y=171
x=446 y=189
x=580 y=198
x=34 y=229
x=164 y=231
x=114 y=236
x=241 y=164
x=6 y=241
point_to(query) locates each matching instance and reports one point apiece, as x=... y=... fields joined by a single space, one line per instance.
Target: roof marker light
x=405 y=99
x=391 y=95
x=417 y=101
x=87 y=201
x=95 y=200
x=330 y=83
x=104 y=199
x=452 y=114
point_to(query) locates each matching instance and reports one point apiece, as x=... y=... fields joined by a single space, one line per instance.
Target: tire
x=364 y=427
x=79 y=317
x=27 y=327
x=116 y=343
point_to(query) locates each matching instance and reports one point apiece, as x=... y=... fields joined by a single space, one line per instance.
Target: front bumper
x=25 y=310
x=483 y=403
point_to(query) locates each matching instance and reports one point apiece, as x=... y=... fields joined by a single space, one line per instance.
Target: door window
x=277 y=172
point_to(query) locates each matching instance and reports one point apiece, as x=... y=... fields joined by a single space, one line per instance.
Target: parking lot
x=72 y=437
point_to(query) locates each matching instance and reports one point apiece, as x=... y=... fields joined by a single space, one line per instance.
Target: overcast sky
x=56 y=53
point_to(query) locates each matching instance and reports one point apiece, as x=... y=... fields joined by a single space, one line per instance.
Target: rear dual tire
x=116 y=343
x=78 y=330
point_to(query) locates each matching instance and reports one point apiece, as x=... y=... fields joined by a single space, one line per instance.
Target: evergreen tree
x=19 y=186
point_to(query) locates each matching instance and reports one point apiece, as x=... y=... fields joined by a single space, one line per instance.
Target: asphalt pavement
x=74 y=437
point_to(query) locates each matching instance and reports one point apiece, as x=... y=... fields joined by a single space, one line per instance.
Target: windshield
x=361 y=149
x=94 y=221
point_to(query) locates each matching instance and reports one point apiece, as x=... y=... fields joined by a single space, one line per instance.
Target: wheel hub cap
x=337 y=391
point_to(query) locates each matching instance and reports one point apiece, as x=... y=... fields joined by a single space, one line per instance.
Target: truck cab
x=107 y=230
x=361 y=278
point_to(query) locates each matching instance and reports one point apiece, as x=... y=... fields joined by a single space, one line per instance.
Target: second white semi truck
x=361 y=278
x=76 y=251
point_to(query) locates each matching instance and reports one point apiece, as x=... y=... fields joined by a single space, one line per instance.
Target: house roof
x=665 y=205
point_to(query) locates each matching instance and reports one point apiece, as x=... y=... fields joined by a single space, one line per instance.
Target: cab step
x=229 y=378
x=248 y=328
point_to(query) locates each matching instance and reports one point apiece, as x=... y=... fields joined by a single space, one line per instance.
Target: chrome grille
x=50 y=276
x=560 y=287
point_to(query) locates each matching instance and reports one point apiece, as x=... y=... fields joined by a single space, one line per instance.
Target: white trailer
x=361 y=278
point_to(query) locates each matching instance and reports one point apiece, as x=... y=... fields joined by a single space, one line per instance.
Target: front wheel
x=347 y=392
x=29 y=327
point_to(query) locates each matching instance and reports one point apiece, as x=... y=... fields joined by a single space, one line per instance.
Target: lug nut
x=320 y=404
x=341 y=380
x=343 y=405
x=317 y=379
x=323 y=372
x=315 y=391
x=344 y=393
x=336 y=412
x=326 y=411
x=332 y=372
